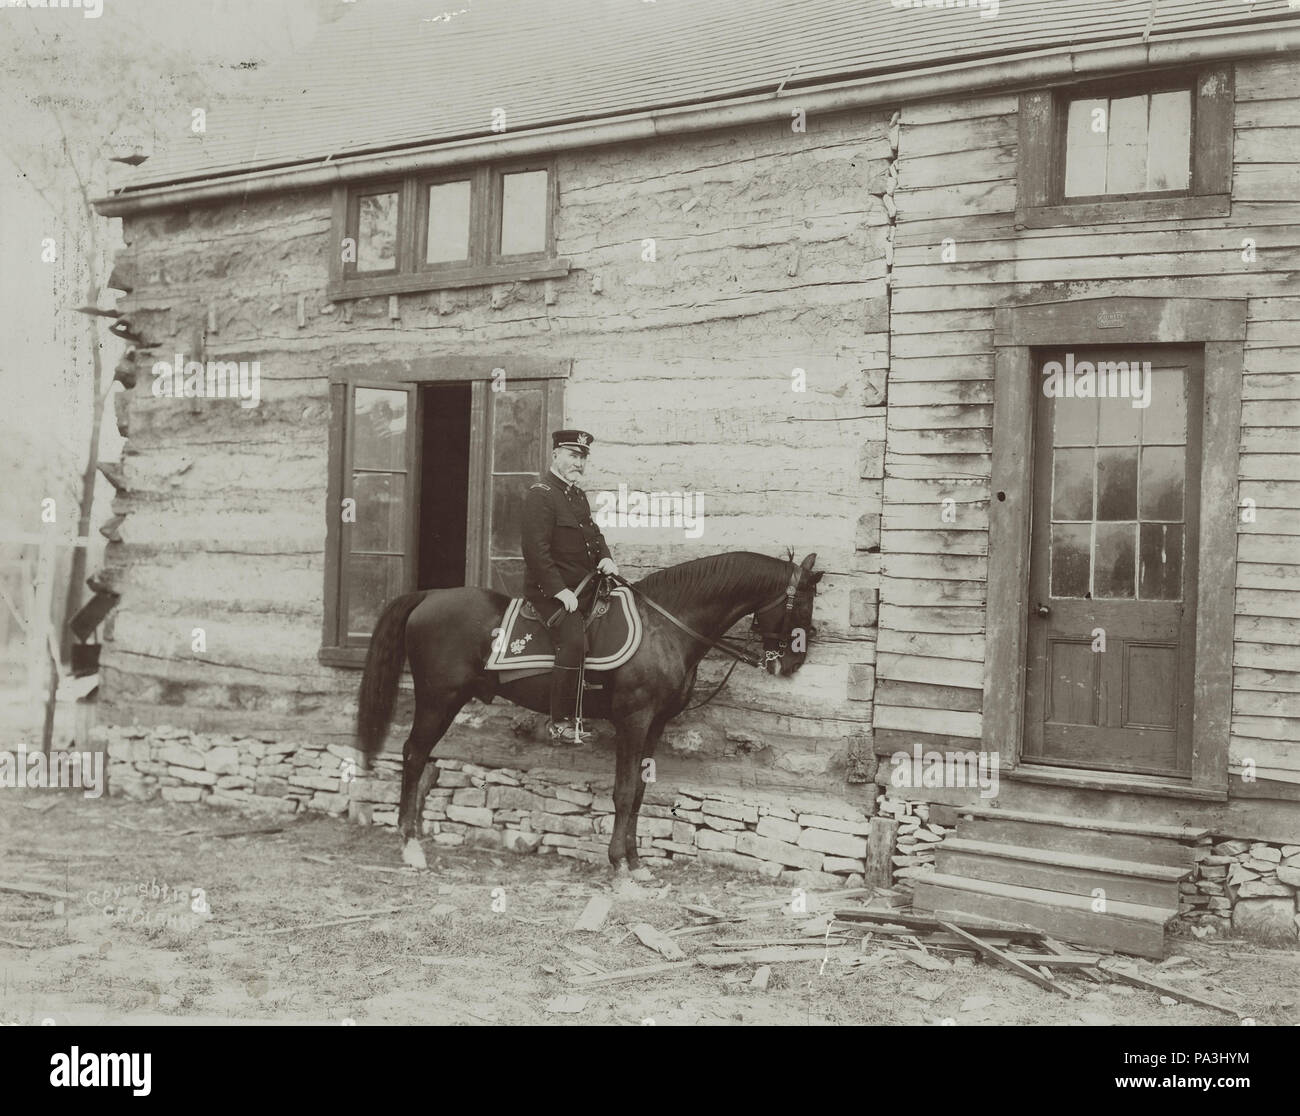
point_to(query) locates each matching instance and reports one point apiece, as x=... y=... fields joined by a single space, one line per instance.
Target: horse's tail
x=383 y=668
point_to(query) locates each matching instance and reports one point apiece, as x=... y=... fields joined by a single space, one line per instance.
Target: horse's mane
x=719 y=575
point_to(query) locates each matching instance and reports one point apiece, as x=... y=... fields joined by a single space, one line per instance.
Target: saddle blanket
x=613 y=635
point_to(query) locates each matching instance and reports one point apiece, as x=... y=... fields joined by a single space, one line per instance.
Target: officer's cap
x=577 y=439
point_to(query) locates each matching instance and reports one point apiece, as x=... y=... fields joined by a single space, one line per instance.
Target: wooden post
x=880 y=850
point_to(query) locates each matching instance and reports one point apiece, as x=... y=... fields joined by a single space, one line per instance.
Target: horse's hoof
x=413 y=855
x=644 y=875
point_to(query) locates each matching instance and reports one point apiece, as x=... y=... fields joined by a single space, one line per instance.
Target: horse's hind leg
x=431 y=721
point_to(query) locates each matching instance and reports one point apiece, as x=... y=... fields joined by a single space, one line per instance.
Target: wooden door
x=1112 y=586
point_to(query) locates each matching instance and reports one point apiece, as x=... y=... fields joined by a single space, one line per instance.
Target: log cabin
x=993 y=306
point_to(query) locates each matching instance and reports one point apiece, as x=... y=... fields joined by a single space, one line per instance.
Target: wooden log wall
x=957 y=179
x=768 y=247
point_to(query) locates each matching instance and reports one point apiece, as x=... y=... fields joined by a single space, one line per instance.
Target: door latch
x=1044 y=611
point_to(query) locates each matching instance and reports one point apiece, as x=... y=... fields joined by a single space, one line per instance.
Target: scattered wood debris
x=995 y=954
x=658 y=941
x=642 y=972
x=594 y=914
x=1128 y=976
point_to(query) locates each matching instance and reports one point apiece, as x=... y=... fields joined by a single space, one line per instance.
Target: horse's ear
x=808 y=562
x=816 y=577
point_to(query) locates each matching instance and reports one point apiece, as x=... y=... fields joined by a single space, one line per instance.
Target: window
x=460 y=228
x=1128 y=145
x=426 y=484
x=1130 y=150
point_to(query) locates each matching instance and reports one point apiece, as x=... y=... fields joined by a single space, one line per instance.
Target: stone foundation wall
x=537 y=810
x=1246 y=887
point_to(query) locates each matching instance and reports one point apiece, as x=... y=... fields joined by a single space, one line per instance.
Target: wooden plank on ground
x=643 y=972
x=1128 y=976
x=925 y=922
x=995 y=954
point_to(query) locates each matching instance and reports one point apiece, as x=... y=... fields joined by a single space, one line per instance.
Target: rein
x=721 y=643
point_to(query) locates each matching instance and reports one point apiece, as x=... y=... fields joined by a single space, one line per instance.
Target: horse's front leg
x=627 y=777
x=643 y=777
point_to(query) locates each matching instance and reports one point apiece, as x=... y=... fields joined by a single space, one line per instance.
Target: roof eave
x=981 y=76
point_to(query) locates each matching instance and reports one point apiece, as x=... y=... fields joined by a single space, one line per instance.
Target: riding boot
x=564 y=697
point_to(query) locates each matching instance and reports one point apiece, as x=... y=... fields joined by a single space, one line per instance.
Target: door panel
x=1112 y=588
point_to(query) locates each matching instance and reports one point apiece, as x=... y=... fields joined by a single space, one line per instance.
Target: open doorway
x=444 y=485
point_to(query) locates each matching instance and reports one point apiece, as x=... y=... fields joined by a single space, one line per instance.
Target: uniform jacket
x=560 y=542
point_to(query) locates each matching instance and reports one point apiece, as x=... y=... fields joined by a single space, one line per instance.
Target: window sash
x=343 y=471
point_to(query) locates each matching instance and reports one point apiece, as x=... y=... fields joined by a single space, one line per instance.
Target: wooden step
x=1025 y=833
x=1138 y=829
x=1124 y=881
x=1124 y=927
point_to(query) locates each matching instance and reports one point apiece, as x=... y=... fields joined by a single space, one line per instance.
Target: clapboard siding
x=956 y=192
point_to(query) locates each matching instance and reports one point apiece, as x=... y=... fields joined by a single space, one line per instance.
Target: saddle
x=524 y=645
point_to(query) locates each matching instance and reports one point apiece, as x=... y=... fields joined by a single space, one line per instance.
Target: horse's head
x=786 y=625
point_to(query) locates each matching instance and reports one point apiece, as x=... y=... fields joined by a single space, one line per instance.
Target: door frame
x=1219 y=325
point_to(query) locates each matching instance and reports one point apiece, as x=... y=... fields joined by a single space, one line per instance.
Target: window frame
x=1043 y=127
x=485 y=265
x=420 y=221
x=337 y=649
x=351 y=271
x=341 y=487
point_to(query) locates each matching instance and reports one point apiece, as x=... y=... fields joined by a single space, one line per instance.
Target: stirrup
x=567 y=731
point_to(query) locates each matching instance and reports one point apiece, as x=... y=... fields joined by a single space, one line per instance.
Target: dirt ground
x=448 y=957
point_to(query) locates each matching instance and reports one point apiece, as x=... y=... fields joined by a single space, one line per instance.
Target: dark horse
x=447 y=635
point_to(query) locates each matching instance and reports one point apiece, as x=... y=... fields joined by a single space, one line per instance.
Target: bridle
x=782 y=637
x=723 y=643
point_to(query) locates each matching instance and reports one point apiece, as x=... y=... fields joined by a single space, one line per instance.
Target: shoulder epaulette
x=543 y=487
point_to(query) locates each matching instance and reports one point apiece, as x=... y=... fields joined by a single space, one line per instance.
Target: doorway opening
x=444 y=485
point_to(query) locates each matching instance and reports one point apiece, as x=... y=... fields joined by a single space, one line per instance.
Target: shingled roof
x=391 y=74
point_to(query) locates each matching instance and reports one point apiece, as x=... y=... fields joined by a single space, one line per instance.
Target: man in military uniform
x=561 y=546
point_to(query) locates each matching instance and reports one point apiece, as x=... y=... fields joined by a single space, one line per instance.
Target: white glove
x=607 y=566
x=568 y=598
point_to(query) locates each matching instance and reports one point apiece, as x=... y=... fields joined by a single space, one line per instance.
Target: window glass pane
x=1165 y=418
x=516 y=430
x=523 y=212
x=1074 y=422
x=1129 y=145
x=1126 y=153
x=1162 y=482
x=381 y=511
x=508 y=513
x=507 y=576
x=1070 y=545
x=1119 y=423
x=1113 y=565
x=1072 y=484
x=377 y=232
x=1161 y=562
x=373 y=581
x=1085 y=150
x=379 y=429
x=1117 y=484
x=448 y=237
x=1169 y=158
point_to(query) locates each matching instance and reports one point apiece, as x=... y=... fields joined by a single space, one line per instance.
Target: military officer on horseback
x=562 y=545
